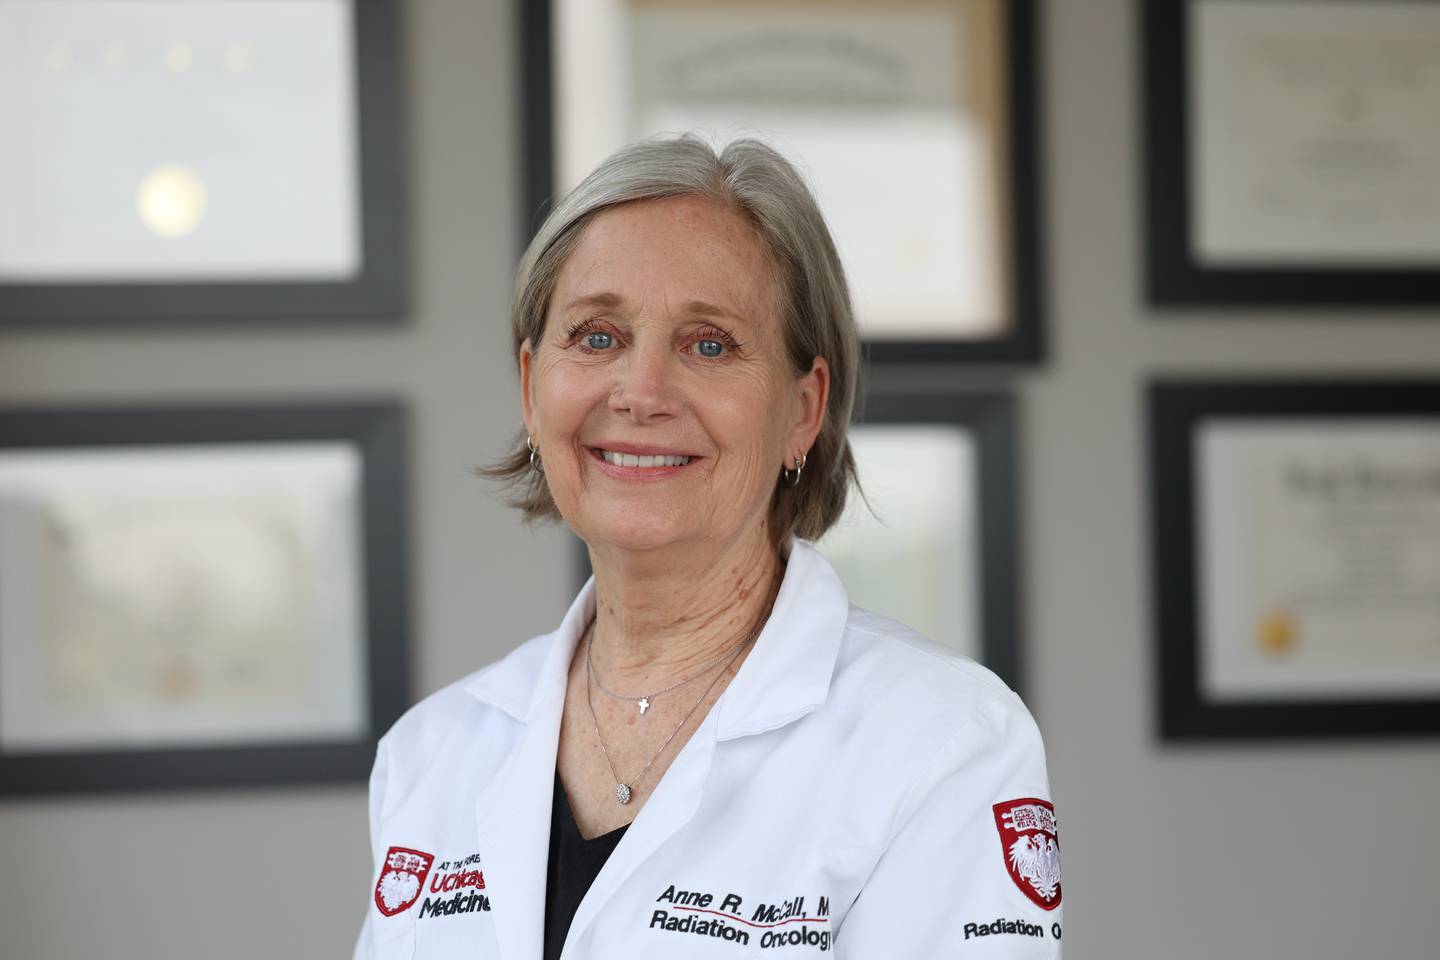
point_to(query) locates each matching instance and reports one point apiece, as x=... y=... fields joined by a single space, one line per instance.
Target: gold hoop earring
x=535 y=463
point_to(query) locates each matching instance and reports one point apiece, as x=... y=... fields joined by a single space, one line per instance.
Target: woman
x=715 y=755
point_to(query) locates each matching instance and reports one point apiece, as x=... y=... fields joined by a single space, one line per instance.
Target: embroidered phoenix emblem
x=1036 y=858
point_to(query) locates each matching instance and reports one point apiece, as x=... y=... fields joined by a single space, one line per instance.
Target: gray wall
x=1316 y=851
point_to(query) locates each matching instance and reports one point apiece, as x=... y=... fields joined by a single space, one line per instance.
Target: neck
x=656 y=621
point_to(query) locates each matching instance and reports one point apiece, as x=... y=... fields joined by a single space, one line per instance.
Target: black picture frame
x=1022 y=343
x=1173 y=274
x=1177 y=407
x=378 y=294
x=377 y=427
x=991 y=418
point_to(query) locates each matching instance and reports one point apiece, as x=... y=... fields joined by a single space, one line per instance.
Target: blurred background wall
x=1317 y=850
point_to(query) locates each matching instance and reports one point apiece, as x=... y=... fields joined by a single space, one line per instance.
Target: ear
x=814 y=394
x=527 y=399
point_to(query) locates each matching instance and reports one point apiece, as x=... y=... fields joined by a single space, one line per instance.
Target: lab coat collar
x=785 y=677
x=788 y=673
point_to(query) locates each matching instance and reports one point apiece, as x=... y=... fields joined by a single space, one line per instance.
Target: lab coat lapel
x=670 y=807
x=514 y=822
x=513 y=813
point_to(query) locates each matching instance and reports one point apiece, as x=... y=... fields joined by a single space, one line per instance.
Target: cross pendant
x=644 y=704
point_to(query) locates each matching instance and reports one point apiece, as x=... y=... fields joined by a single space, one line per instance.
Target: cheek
x=562 y=397
x=748 y=424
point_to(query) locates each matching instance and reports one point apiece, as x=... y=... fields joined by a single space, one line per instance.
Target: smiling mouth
x=632 y=460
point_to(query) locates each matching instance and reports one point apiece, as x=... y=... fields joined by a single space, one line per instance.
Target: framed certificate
x=1297 y=557
x=193 y=597
x=932 y=543
x=1291 y=151
x=913 y=121
x=217 y=160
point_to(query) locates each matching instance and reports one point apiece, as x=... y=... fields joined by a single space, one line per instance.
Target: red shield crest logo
x=1030 y=845
x=402 y=877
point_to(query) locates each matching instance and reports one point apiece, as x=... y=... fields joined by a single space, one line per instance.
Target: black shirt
x=574 y=864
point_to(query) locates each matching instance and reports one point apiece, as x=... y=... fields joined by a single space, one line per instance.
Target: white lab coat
x=840 y=797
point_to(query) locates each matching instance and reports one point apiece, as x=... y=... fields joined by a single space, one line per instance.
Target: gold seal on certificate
x=1275 y=633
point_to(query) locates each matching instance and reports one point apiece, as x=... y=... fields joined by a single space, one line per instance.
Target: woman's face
x=662 y=340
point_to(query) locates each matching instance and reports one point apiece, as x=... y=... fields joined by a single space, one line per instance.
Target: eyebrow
x=699 y=308
x=607 y=301
x=613 y=301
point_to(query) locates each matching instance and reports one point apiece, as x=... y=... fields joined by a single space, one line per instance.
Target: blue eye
x=710 y=348
x=599 y=341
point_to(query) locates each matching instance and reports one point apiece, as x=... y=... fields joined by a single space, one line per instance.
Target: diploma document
x=1314 y=133
x=1319 y=553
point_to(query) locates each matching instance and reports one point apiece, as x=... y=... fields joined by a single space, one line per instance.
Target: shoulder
x=946 y=731
x=965 y=830
x=930 y=684
x=929 y=714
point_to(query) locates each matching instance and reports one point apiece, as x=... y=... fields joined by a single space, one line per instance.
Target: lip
x=638 y=473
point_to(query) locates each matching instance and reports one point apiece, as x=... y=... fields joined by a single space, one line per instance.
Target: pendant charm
x=622 y=793
x=644 y=704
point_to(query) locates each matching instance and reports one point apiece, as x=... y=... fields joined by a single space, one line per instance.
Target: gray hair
x=814 y=302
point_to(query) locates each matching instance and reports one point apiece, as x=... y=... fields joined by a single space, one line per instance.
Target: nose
x=644 y=388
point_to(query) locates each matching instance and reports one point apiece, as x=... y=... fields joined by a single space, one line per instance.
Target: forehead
x=675 y=249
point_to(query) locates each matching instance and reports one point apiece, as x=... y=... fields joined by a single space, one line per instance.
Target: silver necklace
x=644 y=700
x=623 y=789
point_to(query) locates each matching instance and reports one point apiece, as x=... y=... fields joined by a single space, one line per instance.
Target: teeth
x=631 y=460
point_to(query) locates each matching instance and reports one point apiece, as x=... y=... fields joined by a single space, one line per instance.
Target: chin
x=628 y=538
x=627 y=530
